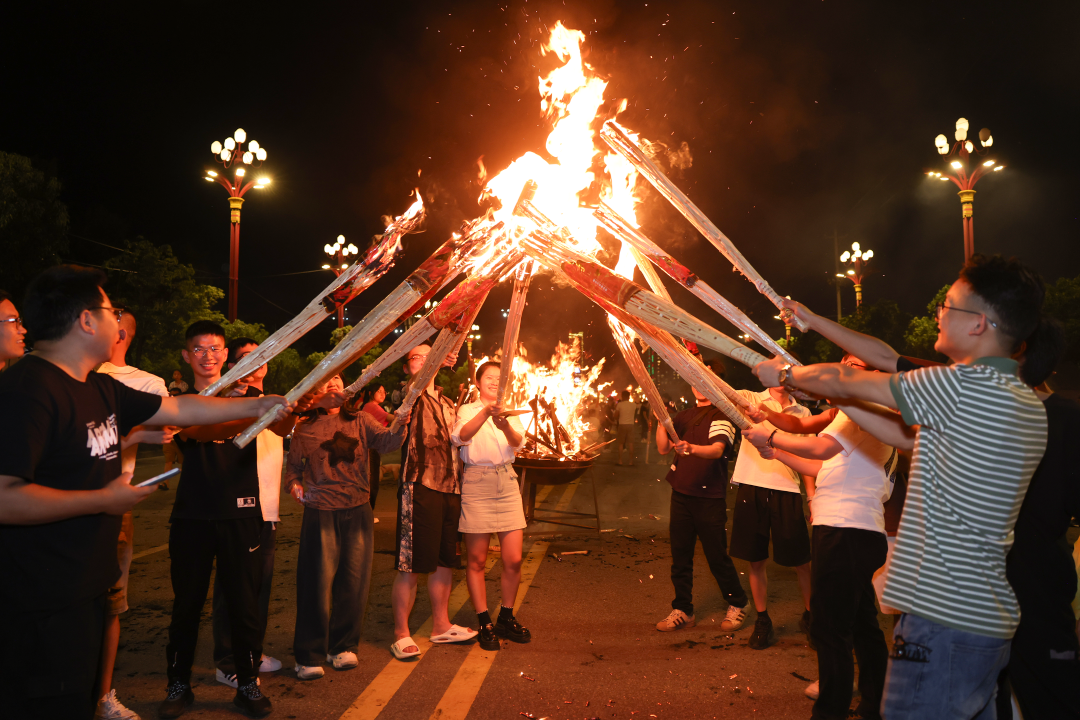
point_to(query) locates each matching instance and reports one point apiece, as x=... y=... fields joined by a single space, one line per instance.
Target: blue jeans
x=958 y=681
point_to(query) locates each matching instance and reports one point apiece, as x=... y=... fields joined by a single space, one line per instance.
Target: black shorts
x=427 y=529
x=759 y=512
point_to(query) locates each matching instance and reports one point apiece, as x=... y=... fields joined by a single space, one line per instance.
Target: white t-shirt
x=488 y=446
x=853 y=485
x=751 y=468
x=626 y=410
x=135 y=379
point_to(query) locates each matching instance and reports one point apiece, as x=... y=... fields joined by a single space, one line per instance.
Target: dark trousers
x=193 y=545
x=223 y=654
x=843 y=617
x=49 y=661
x=374 y=471
x=333 y=575
x=694 y=518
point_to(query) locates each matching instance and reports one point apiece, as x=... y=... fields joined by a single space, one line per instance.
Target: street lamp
x=338 y=252
x=857 y=258
x=965 y=180
x=234 y=159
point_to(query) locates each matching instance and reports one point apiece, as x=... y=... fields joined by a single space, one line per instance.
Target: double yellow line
x=459 y=697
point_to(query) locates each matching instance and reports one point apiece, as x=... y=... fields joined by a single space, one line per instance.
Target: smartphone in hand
x=168 y=475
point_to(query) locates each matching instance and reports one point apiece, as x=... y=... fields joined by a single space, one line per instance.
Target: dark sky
x=804 y=119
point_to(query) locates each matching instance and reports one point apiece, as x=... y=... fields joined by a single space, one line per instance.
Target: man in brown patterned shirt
x=429 y=506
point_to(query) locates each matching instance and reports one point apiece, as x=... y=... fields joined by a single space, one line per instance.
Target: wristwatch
x=782 y=376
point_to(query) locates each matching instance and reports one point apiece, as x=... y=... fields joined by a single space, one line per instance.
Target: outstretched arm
x=813 y=448
x=188 y=410
x=881 y=422
x=876 y=353
x=831 y=380
x=810 y=425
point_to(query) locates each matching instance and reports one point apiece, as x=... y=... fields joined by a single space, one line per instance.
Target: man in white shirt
x=769 y=502
x=625 y=414
x=109 y=707
x=854 y=477
x=270 y=454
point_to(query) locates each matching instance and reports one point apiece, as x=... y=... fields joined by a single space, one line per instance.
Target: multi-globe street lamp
x=234 y=158
x=857 y=258
x=965 y=179
x=338 y=252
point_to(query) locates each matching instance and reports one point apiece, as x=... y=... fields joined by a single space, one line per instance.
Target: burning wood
x=404 y=300
x=637 y=369
x=513 y=325
x=357 y=278
x=625 y=146
x=681 y=274
x=447 y=341
x=634 y=299
x=465 y=295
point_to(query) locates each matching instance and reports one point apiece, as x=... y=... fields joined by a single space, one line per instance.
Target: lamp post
x=232 y=157
x=857 y=258
x=965 y=180
x=338 y=252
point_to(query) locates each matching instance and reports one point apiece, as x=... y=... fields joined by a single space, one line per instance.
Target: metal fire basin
x=536 y=471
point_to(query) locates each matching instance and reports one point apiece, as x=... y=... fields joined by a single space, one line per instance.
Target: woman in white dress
x=491 y=503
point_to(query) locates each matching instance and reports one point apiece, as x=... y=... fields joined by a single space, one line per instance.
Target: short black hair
x=1013 y=291
x=57 y=297
x=1042 y=351
x=4 y=295
x=483 y=368
x=717 y=366
x=234 y=345
x=625 y=394
x=203 y=327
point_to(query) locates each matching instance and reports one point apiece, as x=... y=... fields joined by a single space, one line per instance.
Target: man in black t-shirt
x=217 y=515
x=698 y=479
x=62 y=492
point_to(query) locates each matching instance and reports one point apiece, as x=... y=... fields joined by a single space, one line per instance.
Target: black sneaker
x=764 y=635
x=178 y=698
x=511 y=630
x=251 y=700
x=804 y=625
x=487 y=638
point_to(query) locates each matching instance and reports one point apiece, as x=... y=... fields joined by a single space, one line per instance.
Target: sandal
x=455 y=634
x=400 y=651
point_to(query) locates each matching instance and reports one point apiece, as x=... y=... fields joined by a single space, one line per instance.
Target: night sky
x=803 y=118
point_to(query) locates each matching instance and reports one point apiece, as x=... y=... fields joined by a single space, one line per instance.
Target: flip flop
x=398 y=648
x=455 y=634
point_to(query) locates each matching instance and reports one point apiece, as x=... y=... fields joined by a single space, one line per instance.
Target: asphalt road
x=595 y=651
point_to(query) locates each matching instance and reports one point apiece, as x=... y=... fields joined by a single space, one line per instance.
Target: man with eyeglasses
x=967 y=483
x=218 y=515
x=63 y=492
x=12 y=332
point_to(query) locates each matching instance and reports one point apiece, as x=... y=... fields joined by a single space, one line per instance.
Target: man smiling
x=12 y=332
x=965 y=488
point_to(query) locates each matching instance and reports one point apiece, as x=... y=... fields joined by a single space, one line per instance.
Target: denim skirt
x=490 y=500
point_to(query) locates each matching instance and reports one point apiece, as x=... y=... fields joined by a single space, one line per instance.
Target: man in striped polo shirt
x=965 y=489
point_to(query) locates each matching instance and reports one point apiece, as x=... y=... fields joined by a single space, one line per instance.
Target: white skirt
x=490 y=500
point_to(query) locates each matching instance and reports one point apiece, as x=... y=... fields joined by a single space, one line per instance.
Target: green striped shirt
x=981 y=435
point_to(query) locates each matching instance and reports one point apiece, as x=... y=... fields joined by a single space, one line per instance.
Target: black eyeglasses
x=17 y=320
x=942 y=307
x=117 y=312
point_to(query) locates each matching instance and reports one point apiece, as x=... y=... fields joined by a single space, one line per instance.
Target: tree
x=33 y=222
x=1063 y=303
x=922 y=331
x=165 y=297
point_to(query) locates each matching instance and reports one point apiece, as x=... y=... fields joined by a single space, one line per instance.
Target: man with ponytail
x=968 y=480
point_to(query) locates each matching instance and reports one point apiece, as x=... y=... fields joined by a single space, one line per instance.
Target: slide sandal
x=455 y=634
x=398 y=648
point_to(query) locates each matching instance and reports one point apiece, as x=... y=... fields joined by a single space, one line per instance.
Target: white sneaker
x=734 y=619
x=269 y=664
x=343 y=661
x=813 y=690
x=230 y=680
x=309 y=672
x=109 y=708
x=676 y=620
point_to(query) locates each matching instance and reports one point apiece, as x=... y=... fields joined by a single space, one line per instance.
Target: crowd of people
x=939 y=494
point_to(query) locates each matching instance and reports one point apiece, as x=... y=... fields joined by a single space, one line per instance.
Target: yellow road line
x=461 y=694
x=150 y=551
